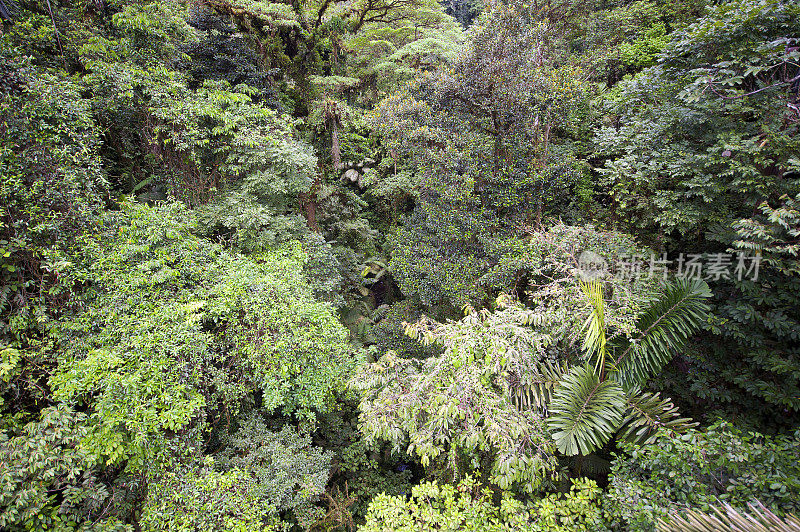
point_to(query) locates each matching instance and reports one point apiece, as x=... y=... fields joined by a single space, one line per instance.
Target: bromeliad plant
x=512 y=390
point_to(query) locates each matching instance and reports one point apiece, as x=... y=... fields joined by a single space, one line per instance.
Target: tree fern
x=663 y=328
x=585 y=412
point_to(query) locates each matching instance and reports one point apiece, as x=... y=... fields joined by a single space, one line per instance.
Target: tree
x=52 y=186
x=261 y=480
x=511 y=389
x=49 y=480
x=202 y=498
x=590 y=403
x=178 y=337
x=480 y=142
x=713 y=137
x=749 y=370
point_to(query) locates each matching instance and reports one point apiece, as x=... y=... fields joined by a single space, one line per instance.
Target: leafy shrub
x=48 y=478
x=578 y=509
x=176 y=332
x=289 y=473
x=699 y=469
x=468 y=506
x=202 y=498
x=434 y=506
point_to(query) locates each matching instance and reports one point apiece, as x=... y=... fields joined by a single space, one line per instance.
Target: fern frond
x=646 y=413
x=728 y=519
x=662 y=329
x=585 y=412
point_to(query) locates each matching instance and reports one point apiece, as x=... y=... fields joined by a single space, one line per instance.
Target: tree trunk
x=309 y=204
x=336 y=153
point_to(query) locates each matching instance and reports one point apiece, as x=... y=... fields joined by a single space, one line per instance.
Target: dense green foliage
x=174 y=327
x=52 y=185
x=399 y=265
x=467 y=507
x=702 y=468
x=722 y=108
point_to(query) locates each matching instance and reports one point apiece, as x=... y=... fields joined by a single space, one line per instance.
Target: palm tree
x=602 y=398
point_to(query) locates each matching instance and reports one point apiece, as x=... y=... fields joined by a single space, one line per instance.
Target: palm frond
x=728 y=519
x=648 y=412
x=590 y=465
x=8 y=10
x=585 y=412
x=663 y=328
x=535 y=388
x=594 y=343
